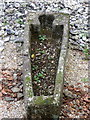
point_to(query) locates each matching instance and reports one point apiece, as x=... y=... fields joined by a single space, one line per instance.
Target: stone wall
x=15 y=13
x=13 y=16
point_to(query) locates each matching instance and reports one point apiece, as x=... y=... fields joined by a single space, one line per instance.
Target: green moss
x=59 y=78
x=86 y=52
x=59 y=82
x=84 y=80
x=28 y=85
x=30 y=20
x=30 y=94
x=65 y=14
x=40 y=101
x=27 y=79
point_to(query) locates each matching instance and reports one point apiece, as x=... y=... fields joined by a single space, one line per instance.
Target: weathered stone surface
x=10 y=20
x=44 y=105
x=15 y=89
x=19 y=95
x=9 y=99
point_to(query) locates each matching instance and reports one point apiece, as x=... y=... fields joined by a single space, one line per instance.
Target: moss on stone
x=30 y=20
x=28 y=86
x=30 y=94
x=41 y=101
x=59 y=77
x=58 y=84
x=27 y=79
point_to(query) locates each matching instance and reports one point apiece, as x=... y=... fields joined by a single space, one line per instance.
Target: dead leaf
x=13 y=95
x=70 y=88
x=0 y=94
x=87 y=99
x=10 y=78
x=10 y=84
x=0 y=86
x=78 y=102
x=6 y=73
x=77 y=89
x=8 y=90
x=4 y=92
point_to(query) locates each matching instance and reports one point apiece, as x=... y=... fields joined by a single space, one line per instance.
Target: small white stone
x=1 y=57
x=15 y=89
x=33 y=5
x=73 y=19
x=1 y=32
x=44 y=46
x=17 y=4
x=1 y=49
x=6 y=39
x=84 y=38
x=80 y=9
x=15 y=76
x=1 y=42
x=65 y=11
x=19 y=95
x=26 y=12
x=30 y=99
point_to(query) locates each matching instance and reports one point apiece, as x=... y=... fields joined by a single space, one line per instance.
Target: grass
x=86 y=52
x=42 y=37
x=34 y=67
x=84 y=80
x=37 y=77
x=42 y=52
x=20 y=21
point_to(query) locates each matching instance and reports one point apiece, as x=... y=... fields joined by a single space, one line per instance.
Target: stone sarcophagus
x=45 y=50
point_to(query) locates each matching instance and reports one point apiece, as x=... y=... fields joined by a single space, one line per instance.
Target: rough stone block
x=45 y=107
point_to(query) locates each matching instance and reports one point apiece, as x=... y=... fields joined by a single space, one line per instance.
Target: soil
x=76 y=87
x=75 y=103
x=44 y=62
x=11 y=79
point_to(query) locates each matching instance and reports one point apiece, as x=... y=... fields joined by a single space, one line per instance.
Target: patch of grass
x=42 y=52
x=84 y=80
x=5 y=23
x=41 y=75
x=42 y=37
x=27 y=79
x=38 y=49
x=36 y=78
x=30 y=20
x=50 y=58
x=34 y=67
x=86 y=52
x=20 y=21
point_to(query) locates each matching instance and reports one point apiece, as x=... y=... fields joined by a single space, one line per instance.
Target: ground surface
x=76 y=103
x=44 y=59
x=75 y=100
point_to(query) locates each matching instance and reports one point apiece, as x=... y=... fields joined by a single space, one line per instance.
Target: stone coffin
x=44 y=107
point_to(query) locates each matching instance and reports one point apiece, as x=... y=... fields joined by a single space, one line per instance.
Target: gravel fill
x=12 y=109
